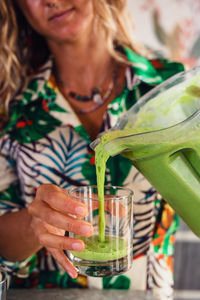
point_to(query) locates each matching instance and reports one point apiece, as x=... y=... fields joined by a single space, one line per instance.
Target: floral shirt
x=44 y=142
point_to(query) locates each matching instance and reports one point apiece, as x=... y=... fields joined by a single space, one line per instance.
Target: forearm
x=17 y=239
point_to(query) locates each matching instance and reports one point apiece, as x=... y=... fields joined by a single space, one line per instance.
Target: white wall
x=179 y=19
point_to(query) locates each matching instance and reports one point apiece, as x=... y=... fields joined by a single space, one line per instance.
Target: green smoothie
x=101 y=157
x=100 y=247
x=169 y=159
x=112 y=248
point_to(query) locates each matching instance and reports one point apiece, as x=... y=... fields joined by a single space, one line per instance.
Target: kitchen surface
x=76 y=294
x=80 y=294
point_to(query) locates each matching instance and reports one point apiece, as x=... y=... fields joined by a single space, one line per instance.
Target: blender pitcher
x=160 y=134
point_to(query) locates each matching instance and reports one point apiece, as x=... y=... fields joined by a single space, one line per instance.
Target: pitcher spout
x=95 y=143
x=111 y=141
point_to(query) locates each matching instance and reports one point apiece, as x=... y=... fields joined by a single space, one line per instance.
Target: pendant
x=97 y=99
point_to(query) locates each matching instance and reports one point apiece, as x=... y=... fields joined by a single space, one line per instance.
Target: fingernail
x=80 y=210
x=77 y=246
x=72 y=274
x=86 y=230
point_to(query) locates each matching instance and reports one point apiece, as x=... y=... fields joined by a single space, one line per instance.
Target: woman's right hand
x=54 y=212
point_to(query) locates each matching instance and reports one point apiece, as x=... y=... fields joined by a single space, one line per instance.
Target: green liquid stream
x=161 y=161
x=176 y=179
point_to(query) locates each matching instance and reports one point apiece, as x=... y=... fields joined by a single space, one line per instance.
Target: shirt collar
x=142 y=67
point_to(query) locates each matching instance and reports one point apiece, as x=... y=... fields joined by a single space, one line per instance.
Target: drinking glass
x=112 y=256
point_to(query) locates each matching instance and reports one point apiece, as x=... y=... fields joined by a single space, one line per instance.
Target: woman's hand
x=54 y=212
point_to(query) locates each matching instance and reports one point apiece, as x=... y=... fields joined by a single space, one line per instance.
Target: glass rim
x=4 y=276
x=74 y=189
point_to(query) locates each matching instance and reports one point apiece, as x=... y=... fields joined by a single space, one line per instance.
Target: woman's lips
x=60 y=16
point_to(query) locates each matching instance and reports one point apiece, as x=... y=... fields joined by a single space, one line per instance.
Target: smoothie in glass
x=112 y=254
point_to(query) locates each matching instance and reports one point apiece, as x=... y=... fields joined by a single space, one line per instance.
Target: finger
x=61 y=258
x=54 y=218
x=111 y=205
x=49 y=240
x=54 y=239
x=58 y=199
x=114 y=208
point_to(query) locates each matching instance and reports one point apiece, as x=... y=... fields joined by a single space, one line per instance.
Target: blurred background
x=171 y=28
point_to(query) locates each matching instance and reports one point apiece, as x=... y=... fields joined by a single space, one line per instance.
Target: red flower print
x=92 y=160
x=23 y=124
x=70 y=126
x=157 y=64
x=45 y=105
x=138 y=256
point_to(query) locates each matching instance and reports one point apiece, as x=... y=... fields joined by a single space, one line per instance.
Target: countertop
x=77 y=294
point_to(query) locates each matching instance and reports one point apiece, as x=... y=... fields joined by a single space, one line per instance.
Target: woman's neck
x=82 y=65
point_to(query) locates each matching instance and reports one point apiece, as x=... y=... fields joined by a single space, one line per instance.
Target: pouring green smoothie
x=161 y=136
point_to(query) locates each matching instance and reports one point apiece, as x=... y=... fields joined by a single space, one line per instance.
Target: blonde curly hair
x=16 y=55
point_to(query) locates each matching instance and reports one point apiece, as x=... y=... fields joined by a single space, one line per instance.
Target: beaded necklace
x=96 y=94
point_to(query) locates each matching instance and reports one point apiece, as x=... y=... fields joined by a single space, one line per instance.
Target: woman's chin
x=66 y=35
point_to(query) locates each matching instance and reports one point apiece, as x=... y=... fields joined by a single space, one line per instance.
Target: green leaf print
x=130 y=99
x=31 y=122
x=82 y=132
x=54 y=107
x=27 y=96
x=89 y=172
x=117 y=105
x=33 y=85
x=119 y=168
x=120 y=282
x=53 y=279
x=49 y=97
x=168 y=247
x=12 y=194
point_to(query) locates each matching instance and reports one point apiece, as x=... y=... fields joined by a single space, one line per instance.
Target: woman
x=69 y=70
